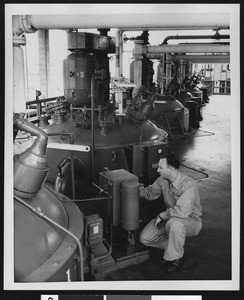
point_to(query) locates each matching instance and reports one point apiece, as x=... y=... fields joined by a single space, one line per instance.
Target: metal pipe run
x=44 y=100
x=90 y=199
x=185 y=48
x=92 y=127
x=170 y=21
x=195 y=58
x=216 y=36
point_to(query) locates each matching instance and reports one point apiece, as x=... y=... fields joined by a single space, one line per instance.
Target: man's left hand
x=161 y=217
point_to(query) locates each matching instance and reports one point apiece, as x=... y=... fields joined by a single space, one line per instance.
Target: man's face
x=163 y=168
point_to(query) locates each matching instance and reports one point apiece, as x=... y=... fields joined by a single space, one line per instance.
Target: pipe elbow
x=25 y=125
x=22 y=24
x=30 y=167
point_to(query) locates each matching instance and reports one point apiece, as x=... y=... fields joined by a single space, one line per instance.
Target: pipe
x=40 y=214
x=195 y=58
x=121 y=50
x=72 y=174
x=44 y=100
x=216 y=36
x=170 y=21
x=90 y=199
x=117 y=53
x=185 y=48
x=93 y=84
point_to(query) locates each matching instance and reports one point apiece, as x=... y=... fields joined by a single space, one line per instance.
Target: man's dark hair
x=172 y=159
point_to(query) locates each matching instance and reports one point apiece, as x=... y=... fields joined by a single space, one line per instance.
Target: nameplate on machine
x=81 y=148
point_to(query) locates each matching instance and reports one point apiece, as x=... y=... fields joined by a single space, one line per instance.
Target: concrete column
x=168 y=69
x=138 y=72
x=19 y=88
x=44 y=61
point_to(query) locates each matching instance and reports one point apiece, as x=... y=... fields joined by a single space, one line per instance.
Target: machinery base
x=120 y=263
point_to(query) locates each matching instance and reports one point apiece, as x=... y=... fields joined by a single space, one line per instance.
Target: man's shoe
x=165 y=264
x=175 y=265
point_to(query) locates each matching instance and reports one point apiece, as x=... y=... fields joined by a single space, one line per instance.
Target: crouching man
x=182 y=217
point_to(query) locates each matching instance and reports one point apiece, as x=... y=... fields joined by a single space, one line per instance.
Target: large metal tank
x=110 y=148
x=89 y=130
x=169 y=111
x=48 y=227
x=42 y=251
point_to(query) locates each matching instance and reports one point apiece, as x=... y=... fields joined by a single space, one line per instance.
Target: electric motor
x=78 y=69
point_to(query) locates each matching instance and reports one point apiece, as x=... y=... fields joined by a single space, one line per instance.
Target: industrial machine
x=95 y=157
x=192 y=98
x=177 y=100
x=76 y=187
x=84 y=125
x=53 y=239
x=48 y=227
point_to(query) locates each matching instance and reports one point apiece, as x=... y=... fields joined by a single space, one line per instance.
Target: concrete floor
x=208 y=255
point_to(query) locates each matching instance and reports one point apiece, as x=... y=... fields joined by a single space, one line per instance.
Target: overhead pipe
x=216 y=36
x=167 y=21
x=225 y=58
x=182 y=48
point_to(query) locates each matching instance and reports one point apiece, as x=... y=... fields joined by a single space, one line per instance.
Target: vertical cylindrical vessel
x=78 y=69
x=185 y=119
x=129 y=214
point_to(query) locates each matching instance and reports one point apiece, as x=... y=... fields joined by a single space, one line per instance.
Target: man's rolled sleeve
x=151 y=192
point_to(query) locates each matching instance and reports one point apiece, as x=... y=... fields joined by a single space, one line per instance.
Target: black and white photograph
x=122 y=147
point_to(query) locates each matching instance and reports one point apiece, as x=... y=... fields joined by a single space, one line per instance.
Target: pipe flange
x=25 y=24
x=19 y=40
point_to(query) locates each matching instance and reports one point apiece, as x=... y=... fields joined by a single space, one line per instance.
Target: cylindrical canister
x=129 y=205
x=78 y=69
